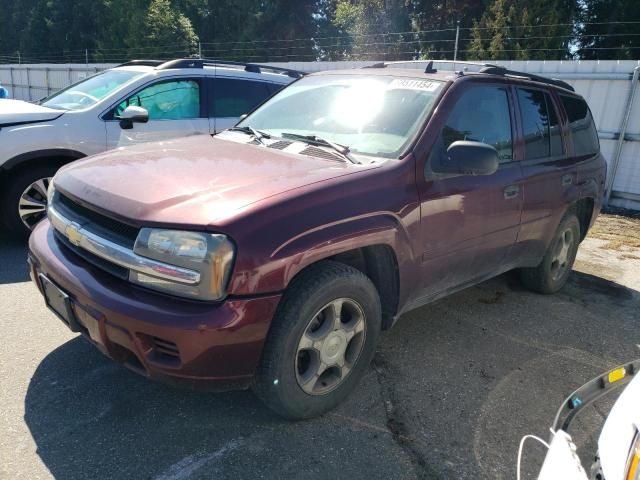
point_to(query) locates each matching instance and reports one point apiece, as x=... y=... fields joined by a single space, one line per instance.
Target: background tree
x=289 y=30
x=600 y=37
x=522 y=30
x=165 y=29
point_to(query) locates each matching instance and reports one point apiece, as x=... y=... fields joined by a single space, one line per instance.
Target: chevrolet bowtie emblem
x=72 y=232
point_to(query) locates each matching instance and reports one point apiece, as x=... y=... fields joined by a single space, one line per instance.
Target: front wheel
x=553 y=272
x=321 y=341
x=24 y=201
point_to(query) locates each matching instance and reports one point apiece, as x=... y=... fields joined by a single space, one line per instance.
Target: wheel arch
x=584 y=209
x=379 y=262
x=377 y=244
x=58 y=156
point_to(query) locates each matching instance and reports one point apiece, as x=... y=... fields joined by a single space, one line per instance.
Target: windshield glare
x=90 y=91
x=373 y=115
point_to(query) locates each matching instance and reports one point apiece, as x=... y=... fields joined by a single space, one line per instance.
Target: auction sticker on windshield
x=413 y=84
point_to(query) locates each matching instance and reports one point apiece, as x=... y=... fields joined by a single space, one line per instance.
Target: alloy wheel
x=561 y=254
x=330 y=346
x=32 y=206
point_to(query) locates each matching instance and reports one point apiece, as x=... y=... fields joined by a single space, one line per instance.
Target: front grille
x=319 y=152
x=95 y=222
x=99 y=224
x=101 y=263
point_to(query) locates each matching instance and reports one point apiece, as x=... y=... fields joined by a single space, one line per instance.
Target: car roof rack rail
x=248 y=67
x=143 y=63
x=430 y=63
x=488 y=68
x=498 y=70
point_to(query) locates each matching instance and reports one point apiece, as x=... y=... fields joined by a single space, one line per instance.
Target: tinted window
x=172 y=100
x=481 y=115
x=274 y=88
x=555 y=131
x=583 y=130
x=540 y=125
x=232 y=98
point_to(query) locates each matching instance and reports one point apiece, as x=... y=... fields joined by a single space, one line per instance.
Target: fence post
x=623 y=130
x=46 y=80
x=28 y=84
x=13 y=86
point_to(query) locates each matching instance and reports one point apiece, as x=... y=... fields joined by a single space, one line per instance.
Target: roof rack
x=488 y=68
x=497 y=70
x=143 y=63
x=430 y=63
x=248 y=67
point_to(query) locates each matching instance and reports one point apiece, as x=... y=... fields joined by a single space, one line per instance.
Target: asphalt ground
x=453 y=388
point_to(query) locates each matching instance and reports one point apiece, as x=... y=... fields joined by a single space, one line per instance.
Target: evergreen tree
x=600 y=38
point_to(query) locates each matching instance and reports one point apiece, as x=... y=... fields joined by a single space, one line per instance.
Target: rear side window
x=232 y=98
x=481 y=115
x=583 y=129
x=540 y=125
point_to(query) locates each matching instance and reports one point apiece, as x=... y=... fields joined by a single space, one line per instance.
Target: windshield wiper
x=257 y=134
x=343 y=150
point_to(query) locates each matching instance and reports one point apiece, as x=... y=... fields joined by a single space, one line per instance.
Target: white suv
x=139 y=101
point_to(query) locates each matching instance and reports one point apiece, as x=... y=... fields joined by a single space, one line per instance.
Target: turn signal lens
x=617 y=374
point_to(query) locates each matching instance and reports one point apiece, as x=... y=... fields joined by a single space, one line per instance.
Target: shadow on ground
x=91 y=418
x=13 y=260
x=454 y=387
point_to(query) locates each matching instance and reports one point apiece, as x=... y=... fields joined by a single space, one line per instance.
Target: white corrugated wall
x=605 y=85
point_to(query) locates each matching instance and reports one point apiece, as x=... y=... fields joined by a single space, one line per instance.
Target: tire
x=553 y=272
x=16 y=185
x=286 y=380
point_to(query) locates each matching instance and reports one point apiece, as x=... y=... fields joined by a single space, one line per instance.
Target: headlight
x=633 y=463
x=209 y=254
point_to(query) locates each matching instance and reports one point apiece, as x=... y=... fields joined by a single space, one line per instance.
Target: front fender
x=348 y=234
x=325 y=241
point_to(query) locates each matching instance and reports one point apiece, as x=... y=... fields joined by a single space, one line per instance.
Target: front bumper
x=164 y=338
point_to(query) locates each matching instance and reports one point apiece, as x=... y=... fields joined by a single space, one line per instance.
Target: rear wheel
x=24 y=201
x=553 y=272
x=321 y=341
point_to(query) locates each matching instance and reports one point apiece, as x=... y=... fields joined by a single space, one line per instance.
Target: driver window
x=481 y=115
x=172 y=100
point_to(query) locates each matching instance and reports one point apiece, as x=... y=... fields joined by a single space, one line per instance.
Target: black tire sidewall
x=278 y=385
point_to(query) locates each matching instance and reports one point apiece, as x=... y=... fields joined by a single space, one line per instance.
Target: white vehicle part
x=17 y=111
x=153 y=130
x=562 y=461
x=618 y=432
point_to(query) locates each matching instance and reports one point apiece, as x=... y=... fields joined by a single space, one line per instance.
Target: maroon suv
x=273 y=254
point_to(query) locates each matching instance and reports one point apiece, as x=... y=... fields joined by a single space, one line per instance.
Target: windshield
x=90 y=91
x=372 y=115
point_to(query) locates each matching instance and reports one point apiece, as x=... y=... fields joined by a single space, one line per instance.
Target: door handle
x=511 y=191
x=567 y=180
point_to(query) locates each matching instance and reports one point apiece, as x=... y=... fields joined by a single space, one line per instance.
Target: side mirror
x=243 y=116
x=469 y=158
x=131 y=115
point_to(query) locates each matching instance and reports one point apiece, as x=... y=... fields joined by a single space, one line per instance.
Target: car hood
x=194 y=181
x=16 y=112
